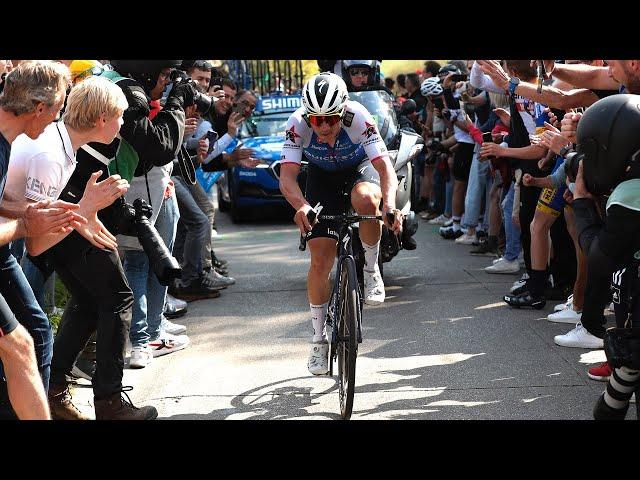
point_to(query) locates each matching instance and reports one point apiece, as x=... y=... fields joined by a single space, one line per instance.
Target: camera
x=571 y=165
x=203 y=102
x=134 y=221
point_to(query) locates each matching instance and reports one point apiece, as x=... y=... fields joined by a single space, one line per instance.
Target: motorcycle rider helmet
x=373 y=78
x=324 y=94
x=608 y=137
x=145 y=72
x=431 y=87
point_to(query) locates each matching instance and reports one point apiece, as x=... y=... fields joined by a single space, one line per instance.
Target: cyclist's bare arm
x=389 y=186
x=291 y=191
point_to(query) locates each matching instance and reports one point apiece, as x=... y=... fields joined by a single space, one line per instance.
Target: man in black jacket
x=101 y=298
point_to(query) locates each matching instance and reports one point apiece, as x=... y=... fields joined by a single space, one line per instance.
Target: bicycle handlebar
x=344 y=219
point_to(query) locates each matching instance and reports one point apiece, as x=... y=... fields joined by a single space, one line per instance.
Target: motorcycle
x=403 y=145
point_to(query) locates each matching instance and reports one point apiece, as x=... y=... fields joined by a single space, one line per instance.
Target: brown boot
x=61 y=406
x=114 y=407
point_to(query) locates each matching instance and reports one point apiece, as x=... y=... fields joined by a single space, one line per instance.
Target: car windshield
x=380 y=105
x=265 y=125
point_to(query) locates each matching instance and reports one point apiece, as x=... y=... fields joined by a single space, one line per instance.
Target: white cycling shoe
x=318 y=362
x=373 y=288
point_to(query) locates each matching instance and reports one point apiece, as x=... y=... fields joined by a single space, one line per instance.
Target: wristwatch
x=564 y=151
x=513 y=83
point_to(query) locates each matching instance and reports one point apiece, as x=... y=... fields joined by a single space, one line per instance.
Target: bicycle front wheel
x=347 y=349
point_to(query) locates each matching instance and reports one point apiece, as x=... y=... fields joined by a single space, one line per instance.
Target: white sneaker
x=140 y=357
x=448 y=223
x=565 y=305
x=318 y=362
x=439 y=220
x=503 y=266
x=568 y=315
x=172 y=328
x=465 y=239
x=168 y=343
x=373 y=288
x=579 y=337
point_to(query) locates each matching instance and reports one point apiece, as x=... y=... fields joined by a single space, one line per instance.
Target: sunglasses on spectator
x=202 y=65
x=358 y=71
x=317 y=120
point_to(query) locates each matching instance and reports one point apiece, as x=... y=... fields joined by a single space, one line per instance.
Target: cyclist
x=341 y=142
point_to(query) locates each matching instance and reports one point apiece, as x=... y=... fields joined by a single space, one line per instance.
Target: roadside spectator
x=32 y=98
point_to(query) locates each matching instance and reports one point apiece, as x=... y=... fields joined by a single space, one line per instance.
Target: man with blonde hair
x=33 y=94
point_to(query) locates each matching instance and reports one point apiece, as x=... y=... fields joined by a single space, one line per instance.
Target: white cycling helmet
x=324 y=94
x=431 y=87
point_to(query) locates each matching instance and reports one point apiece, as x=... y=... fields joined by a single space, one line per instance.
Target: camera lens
x=571 y=165
x=203 y=103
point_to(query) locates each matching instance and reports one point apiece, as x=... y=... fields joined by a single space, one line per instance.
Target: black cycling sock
x=536 y=282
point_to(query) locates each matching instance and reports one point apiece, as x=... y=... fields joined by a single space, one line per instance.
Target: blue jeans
x=512 y=232
x=17 y=292
x=192 y=233
x=39 y=284
x=148 y=294
x=448 y=204
x=479 y=186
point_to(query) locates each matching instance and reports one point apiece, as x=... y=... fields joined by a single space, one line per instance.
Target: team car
x=243 y=191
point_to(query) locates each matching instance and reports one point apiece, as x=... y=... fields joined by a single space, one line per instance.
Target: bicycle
x=344 y=315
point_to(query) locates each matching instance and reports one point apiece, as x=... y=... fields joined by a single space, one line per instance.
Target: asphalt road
x=443 y=346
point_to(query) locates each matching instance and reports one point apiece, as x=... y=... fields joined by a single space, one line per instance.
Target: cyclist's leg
x=323 y=251
x=324 y=188
x=365 y=198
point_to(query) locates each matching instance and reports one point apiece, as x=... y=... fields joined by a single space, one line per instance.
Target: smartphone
x=239 y=108
x=487 y=137
x=458 y=77
x=212 y=136
x=438 y=103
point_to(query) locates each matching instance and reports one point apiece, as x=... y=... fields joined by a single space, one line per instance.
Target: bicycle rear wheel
x=347 y=349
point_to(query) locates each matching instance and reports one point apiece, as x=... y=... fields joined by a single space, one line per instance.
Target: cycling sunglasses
x=317 y=120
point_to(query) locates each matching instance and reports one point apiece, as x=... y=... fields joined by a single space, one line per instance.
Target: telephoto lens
x=163 y=264
x=571 y=165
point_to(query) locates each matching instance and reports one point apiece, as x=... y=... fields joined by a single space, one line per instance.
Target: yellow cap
x=80 y=69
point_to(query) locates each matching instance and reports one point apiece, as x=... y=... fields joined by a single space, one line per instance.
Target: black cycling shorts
x=327 y=188
x=462 y=159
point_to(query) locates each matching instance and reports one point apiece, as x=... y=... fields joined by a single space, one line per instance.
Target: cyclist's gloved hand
x=395 y=215
x=302 y=220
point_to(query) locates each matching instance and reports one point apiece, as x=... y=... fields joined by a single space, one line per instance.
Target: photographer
x=606 y=163
x=104 y=301
x=200 y=276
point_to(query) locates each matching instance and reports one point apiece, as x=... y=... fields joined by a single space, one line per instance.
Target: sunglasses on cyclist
x=317 y=120
x=358 y=71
